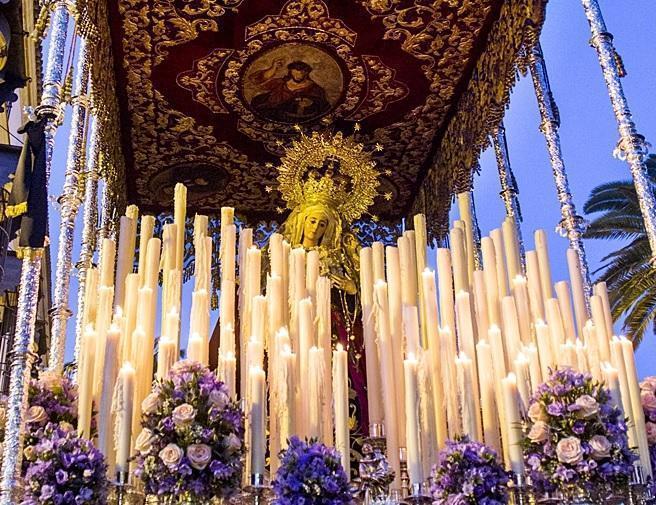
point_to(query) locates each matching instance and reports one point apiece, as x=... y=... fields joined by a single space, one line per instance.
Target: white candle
x=480 y=303
x=228 y=372
x=381 y=305
x=378 y=259
x=467 y=393
x=411 y=329
x=513 y=420
x=408 y=273
x=534 y=286
x=374 y=393
x=258 y=317
x=602 y=292
x=567 y=355
x=130 y=313
x=523 y=379
x=151 y=266
x=257 y=416
x=312 y=274
x=448 y=351
x=85 y=381
x=165 y=356
x=195 y=348
x=340 y=395
x=179 y=217
x=275 y=254
x=531 y=352
x=593 y=358
x=110 y=372
x=612 y=382
x=511 y=243
x=315 y=396
x=617 y=360
x=90 y=297
x=306 y=341
x=415 y=469
x=582 y=359
x=107 y=257
x=459 y=259
x=287 y=394
x=465 y=205
x=599 y=319
x=145 y=234
x=491 y=283
x=555 y=323
x=511 y=330
x=636 y=404
x=200 y=321
x=520 y=293
x=500 y=369
x=576 y=280
x=429 y=296
x=445 y=282
x=502 y=275
x=543 y=336
x=566 y=312
x=393 y=271
x=125 y=257
x=125 y=395
x=324 y=339
x=542 y=250
x=488 y=401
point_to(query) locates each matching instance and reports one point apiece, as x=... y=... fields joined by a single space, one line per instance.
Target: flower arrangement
x=191 y=444
x=52 y=399
x=63 y=469
x=310 y=473
x=648 y=398
x=468 y=472
x=575 y=439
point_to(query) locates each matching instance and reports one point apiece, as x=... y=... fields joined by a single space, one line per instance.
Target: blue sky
x=588 y=133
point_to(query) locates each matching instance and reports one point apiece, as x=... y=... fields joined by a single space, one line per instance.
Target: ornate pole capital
x=632 y=147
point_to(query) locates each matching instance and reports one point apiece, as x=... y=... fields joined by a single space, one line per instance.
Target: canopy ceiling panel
x=210 y=92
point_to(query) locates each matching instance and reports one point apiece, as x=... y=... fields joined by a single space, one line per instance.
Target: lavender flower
x=312 y=474
x=469 y=472
x=63 y=469
x=192 y=440
x=586 y=443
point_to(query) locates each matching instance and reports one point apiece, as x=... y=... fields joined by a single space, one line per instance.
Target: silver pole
x=509 y=192
x=49 y=109
x=70 y=201
x=632 y=146
x=571 y=223
x=89 y=228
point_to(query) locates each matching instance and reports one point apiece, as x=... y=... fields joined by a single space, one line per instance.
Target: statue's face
x=315 y=226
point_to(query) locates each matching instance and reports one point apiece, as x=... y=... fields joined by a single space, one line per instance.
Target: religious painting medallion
x=293 y=83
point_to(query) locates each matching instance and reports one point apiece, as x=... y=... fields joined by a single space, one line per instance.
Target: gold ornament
x=331 y=169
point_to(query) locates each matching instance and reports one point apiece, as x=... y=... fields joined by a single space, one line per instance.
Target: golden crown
x=330 y=169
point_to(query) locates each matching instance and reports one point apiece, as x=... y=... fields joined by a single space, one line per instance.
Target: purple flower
x=201 y=459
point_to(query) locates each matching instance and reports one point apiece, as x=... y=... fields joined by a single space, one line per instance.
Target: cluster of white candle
x=446 y=354
x=485 y=338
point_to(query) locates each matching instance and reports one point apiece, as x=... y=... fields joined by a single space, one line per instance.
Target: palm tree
x=628 y=272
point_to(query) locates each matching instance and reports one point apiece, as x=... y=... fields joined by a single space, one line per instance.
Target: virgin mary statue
x=328 y=182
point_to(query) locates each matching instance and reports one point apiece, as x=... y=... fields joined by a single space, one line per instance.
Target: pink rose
x=600 y=447
x=199 y=455
x=588 y=406
x=150 y=404
x=648 y=400
x=539 y=432
x=536 y=412
x=649 y=384
x=569 y=450
x=183 y=415
x=36 y=415
x=651 y=433
x=171 y=455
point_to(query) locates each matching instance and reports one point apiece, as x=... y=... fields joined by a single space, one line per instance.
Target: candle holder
x=418 y=495
x=640 y=492
x=257 y=490
x=520 y=493
x=374 y=470
x=403 y=468
x=122 y=493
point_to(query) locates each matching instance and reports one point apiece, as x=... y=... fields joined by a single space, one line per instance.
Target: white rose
x=218 y=399
x=150 y=404
x=66 y=426
x=569 y=450
x=539 y=432
x=600 y=447
x=36 y=415
x=588 y=406
x=199 y=455
x=183 y=415
x=171 y=455
x=144 y=441
x=50 y=380
x=536 y=412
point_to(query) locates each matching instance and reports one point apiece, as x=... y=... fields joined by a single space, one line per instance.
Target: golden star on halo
x=387 y=172
x=388 y=196
x=268 y=189
x=378 y=147
x=374 y=218
x=280 y=210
